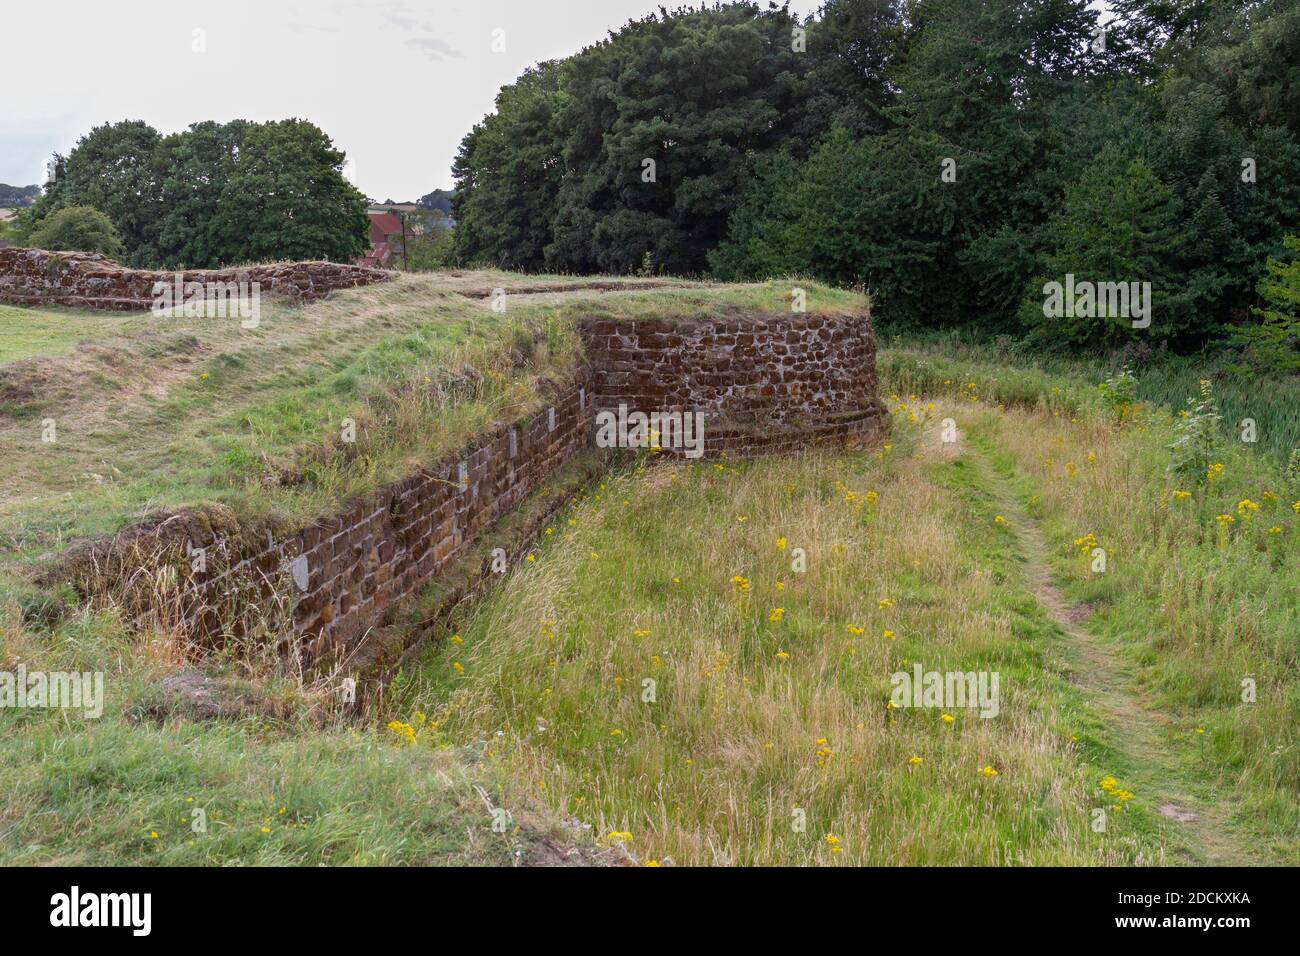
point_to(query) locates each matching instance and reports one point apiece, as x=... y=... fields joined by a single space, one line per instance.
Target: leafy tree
x=286 y=198
x=870 y=211
x=952 y=155
x=1119 y=224
x=197 y=165
x=1170 y=26
x=112 y=169
x=508 y=173
x=694 y=93
x=213 y=195
x=439 y=199
x=936 y=213
x=1275 y=342
x=760 y=242
x=435 y=249
x=78 y=229
x=853 y=46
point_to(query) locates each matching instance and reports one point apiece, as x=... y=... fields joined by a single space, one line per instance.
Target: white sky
x=396 y=83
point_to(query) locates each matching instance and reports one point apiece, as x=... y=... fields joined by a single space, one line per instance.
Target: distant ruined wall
x=766 y=384
x=84 y=280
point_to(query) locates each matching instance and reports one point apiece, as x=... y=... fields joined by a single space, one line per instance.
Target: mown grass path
x=1162 y=765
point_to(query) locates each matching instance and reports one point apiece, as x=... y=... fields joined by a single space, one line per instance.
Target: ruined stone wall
x=765 y=383
x=324 y=585
x=83 y=280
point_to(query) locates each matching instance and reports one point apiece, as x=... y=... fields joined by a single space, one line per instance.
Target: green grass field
x=695 y=665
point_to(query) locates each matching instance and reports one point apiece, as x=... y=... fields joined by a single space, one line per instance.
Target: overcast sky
x=396 y=83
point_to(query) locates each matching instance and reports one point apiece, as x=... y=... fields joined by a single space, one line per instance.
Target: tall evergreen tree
x=508 y=172
x=660 y=122
x=1119 y=224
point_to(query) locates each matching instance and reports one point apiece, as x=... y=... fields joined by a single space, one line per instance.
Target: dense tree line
x=216 y=194
x=953 y=156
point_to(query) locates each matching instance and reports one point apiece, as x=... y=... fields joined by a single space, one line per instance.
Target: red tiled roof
x=385 y=224
x=382 y=226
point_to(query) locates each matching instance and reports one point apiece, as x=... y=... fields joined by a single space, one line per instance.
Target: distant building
x=385 y=239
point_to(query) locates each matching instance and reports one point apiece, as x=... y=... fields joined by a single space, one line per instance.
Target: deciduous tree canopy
x=216 y=194
x=951 y=155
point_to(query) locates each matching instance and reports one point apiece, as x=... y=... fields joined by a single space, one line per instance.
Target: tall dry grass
x=760 y=721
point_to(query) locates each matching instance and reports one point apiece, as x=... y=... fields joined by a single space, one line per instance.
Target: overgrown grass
x=762 y=720
x=145 y=784
x=937 y=364
x=757 y=715
x=1205 y=609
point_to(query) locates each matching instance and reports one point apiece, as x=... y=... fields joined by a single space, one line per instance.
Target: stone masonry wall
x=324 y=585
x=83 y=280
x=765 y=383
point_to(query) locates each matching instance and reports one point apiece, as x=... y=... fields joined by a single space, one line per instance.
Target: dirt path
x=1164 y=769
